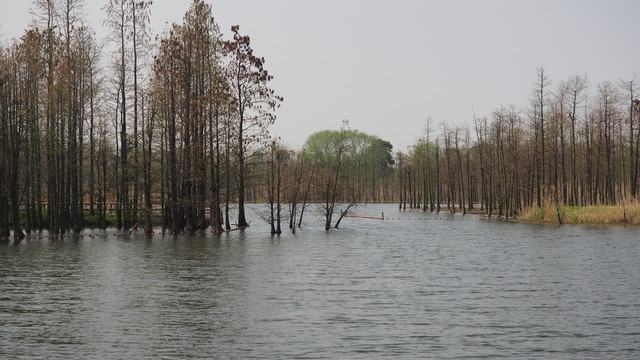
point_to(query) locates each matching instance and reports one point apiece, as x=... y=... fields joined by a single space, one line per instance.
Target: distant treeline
x=175 y=131
x=568 y=147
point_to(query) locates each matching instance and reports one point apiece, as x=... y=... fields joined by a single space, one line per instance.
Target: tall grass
x=629 y=213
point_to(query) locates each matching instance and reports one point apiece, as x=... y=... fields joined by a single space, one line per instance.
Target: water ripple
x=423 y=289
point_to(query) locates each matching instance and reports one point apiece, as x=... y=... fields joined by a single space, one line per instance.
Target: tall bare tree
x=255 y=103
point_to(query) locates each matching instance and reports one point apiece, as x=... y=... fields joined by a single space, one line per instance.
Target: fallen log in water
x=238 y=228
x=133 y=228
x=365 y=217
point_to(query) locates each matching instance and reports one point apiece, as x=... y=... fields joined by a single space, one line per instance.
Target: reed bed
x=601 y=214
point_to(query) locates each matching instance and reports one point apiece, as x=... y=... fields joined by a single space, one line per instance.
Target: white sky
x=388 y=65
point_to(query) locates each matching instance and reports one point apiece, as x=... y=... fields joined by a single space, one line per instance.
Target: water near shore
x=417 y=285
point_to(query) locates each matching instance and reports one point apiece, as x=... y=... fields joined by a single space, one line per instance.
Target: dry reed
x=626 y=213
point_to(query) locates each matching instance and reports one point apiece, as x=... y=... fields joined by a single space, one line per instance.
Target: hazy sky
x=388 y=65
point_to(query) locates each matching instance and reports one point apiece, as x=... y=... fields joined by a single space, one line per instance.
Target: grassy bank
x=618 y=214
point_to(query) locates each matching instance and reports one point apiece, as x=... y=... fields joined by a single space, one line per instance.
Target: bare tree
x=576 y=87
x=255 y=103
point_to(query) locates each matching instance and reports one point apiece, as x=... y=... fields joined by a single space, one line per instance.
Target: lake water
x=417 y=285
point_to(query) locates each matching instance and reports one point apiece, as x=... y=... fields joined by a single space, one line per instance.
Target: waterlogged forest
x=172 y=131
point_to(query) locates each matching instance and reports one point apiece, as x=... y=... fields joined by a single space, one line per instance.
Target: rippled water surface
x=418 y=285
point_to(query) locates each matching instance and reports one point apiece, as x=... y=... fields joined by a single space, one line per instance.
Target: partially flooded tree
x=192 y=101
x=220 y=108
x=165 y=85
x=255 y=105
x=138 y=16
x=328 y=149
x=45 y=15
x=128 y=20
x=11 y=131
x=117 y=12
x=301 y=174
x=5 y=79
x=276 y=156
x=29 y=79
